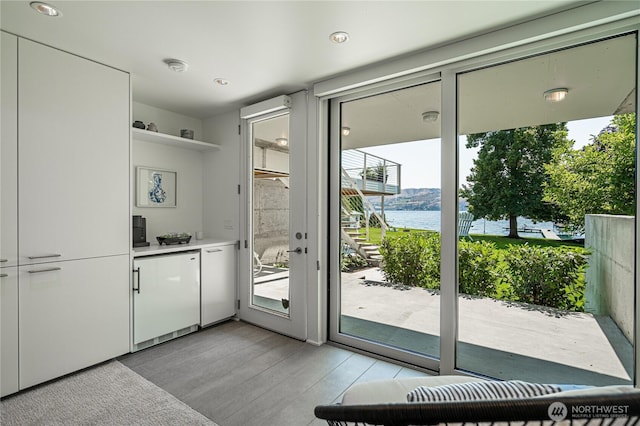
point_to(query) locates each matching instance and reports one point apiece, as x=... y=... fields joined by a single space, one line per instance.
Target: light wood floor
x=238 y=374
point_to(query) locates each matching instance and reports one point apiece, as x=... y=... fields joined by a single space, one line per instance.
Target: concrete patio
x=496 y=338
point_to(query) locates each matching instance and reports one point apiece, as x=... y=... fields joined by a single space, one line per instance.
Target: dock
x=549 y=234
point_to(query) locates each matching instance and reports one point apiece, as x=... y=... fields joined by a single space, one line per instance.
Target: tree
x=599 y=178
x=507 y=178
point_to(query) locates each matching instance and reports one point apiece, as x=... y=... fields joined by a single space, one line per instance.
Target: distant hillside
x=413 y=199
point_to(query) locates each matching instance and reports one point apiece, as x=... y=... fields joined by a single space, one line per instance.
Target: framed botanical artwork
x=155 y=187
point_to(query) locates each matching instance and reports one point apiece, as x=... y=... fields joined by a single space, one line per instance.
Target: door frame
x=334 y=188
x=295 y=324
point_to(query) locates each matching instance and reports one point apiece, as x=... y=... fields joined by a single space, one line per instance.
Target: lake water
x=430 y=219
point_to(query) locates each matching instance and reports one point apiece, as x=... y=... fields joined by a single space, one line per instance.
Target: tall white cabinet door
x=9 y=151
x=72 y=315
x=218 y=284
x=73 y=156
x=8 y=331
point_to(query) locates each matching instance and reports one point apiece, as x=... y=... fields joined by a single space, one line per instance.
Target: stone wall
x=610 y=275
x=271 y=220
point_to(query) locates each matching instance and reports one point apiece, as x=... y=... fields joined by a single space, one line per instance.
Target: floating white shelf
x=177 y=141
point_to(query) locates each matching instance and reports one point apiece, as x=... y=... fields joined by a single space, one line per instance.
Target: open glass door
x=272 y=292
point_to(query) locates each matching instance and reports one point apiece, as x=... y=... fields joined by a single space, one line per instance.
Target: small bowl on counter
x=171 y=239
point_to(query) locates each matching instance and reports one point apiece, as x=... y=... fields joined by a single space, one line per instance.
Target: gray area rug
x=109 y=394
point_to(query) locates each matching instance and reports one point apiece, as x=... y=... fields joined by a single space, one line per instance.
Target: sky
x=421 y=160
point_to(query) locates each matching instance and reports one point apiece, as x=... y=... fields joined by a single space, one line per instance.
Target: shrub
x=547 y=276
x=351 y=262
x=412 y=259
x=478 y=266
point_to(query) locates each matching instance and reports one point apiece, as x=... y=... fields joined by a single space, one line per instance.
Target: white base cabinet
x=9 y=331
x=218 y=284
x=73 y=314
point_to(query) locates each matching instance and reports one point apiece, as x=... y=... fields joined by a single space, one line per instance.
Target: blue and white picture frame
x=156 y=187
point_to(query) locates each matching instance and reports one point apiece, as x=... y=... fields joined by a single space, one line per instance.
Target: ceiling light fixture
x=430 y=116
x=221 y=81
x=177 y=65
x=339 y=37
x=45 y=9
x=556 y=95
x=282 y=141
x=346 y=130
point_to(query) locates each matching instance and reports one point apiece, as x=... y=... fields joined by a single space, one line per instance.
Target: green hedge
x=547 y=276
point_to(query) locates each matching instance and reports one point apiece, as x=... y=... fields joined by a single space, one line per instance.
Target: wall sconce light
x=282 y=141
x=346 y=130
x=430 y=116
x=555 y=95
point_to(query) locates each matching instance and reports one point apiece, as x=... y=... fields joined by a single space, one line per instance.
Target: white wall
x=221 y=177
x=187 y=216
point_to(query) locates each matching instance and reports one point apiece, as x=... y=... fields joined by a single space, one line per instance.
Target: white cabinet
x=72 y=316
x=8 y=215
x=73 y=117
x=9 y=151
x=8 y=331
x=218 y=283
x=65 y=213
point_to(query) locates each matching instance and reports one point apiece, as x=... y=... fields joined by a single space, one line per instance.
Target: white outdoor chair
x=464 y=224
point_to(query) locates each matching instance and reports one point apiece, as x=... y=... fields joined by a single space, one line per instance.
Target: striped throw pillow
x=478 y=391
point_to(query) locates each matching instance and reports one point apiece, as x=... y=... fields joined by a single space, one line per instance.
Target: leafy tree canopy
x=597 y=179
x=508 y=177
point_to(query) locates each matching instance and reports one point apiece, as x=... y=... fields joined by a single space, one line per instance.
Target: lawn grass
x=501 y=242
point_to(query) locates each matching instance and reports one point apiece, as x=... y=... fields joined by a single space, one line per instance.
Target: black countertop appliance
x=139 y=231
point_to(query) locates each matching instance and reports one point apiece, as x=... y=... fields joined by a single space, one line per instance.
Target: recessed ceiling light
x=555 y=95
x=45 y=9
x=177 y=65
x=282 y=141
x=346 y=130
x=430 y=116
x=221 y=81
x=339 y=37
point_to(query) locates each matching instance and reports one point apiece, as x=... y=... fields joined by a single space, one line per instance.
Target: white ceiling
x=263 y=48
x=599 y=76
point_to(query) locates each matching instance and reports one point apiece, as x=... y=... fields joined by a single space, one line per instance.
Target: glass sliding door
x=547 y=166
x=386 y=222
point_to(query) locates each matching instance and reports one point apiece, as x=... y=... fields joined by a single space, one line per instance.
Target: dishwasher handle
x=137 y=270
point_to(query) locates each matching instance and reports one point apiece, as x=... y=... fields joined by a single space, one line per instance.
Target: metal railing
x=368 y=208
x=370 y=173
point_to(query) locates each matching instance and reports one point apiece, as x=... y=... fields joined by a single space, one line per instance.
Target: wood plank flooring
x=239 y=374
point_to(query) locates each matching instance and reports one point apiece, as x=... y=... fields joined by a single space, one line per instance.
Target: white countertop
x=193 y=245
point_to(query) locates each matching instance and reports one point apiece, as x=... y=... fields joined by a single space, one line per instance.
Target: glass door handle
x=297 y=250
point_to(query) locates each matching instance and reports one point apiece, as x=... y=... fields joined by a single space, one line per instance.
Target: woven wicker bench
x=384 y=403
